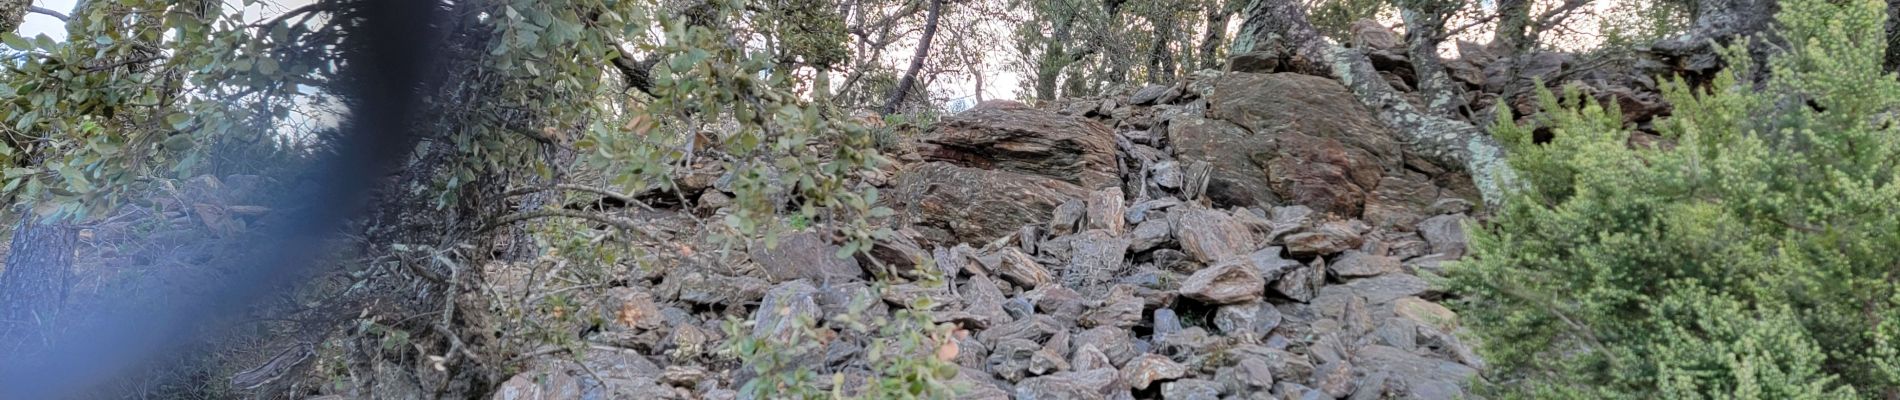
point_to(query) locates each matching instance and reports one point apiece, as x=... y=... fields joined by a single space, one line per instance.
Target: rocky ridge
x=1237 y=235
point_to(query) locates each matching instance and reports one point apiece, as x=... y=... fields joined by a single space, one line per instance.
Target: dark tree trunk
x=33 y=287
x=1054 y=58
x=916 y=61
x=1216 y=36
x=1514 y=17
x=1160 y=55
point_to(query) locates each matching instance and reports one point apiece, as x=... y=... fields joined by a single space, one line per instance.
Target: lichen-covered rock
x=1009 y=136
x=1269 y=104
x=951 y=204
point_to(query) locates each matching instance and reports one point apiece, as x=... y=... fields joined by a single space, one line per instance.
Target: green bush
x=1753 y=258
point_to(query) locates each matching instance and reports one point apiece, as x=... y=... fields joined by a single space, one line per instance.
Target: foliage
x=1334 y=18
x=1751 y=259
x=905 y=356
x=93 y=117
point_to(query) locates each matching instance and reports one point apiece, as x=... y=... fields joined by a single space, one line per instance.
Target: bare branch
x=47 y=12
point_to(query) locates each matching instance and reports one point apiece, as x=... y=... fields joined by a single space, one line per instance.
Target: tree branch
x=47 y=12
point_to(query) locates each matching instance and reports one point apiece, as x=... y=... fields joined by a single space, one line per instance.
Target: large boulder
x=1010 y=136
x=952 y=204
x=1239 y=175
x=1270 y=104
x=1287 y=137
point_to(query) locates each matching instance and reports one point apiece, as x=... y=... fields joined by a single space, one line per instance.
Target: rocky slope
x=1235 y=236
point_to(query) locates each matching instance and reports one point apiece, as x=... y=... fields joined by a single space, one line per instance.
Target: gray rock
x=1224 y=284
x=1166 y=323
x=804 y=255
x=1190 y=389
x=1250 y=320
x=1446 y=233
x=1010 y=359
x=1150 y=368
x=1083 y=385
x=1288 y=219
x=1398 y=333
x=1068 y=217
x=1150 y=234
x=1386 y=288
x=1422 y=378
x=1357 y=264
x=1096 y=259
x=1118 y=344
x=981 y=297
x=785 y=308
x=1148 y=95
x=1166 y=174
x=1300 y=284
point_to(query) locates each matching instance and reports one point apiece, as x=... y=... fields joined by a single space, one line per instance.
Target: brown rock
x=951 y=204
x=1328 y=238
x=1150 y=368
x=1211 y=236
x=1323 y=173
x=1225 y=284
x=1009 y=136
x=1238 y=179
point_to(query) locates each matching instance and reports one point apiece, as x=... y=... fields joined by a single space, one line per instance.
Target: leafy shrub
x=1752 y=259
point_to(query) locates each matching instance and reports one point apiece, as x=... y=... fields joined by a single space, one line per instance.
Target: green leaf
x=267 y=66
x=178 y=120
x=16 y=42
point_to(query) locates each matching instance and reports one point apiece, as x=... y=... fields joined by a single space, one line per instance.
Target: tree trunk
x=1160 y=56
x=33 y=287
x=1216 y=36
x=1439 y=139
x=1425 y=23
x=916 y=61
x=1514 y=17
x=1054 y=59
